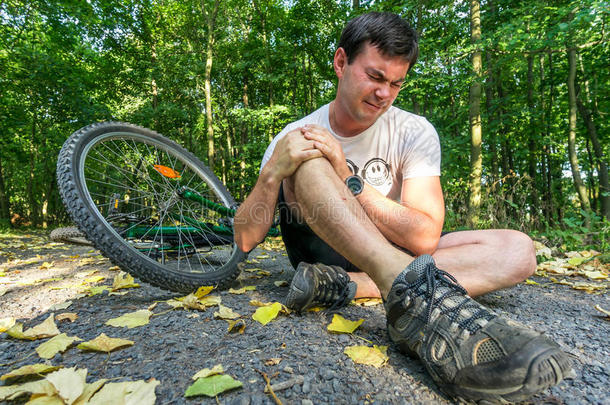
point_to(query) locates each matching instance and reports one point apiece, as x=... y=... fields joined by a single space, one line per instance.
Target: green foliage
x=66 y=66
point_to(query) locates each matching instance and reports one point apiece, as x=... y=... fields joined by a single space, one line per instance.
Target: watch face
x=354 y=183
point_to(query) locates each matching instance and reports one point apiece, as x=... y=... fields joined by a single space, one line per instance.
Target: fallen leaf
x=97 y=290
x=263 y=273
x=372 y=356
x=266 y=314
x=589 y=287
x=576 y=261
x=30 y=369
x=60 y=306
x=206 y=372
x=210 y=300
x=253 y=270
x=131 y=319
x=280 y=283
x=42 y=387
x=103 y=343
x=542 y=250
x=16 y=331
x=341 y=325
x=43 y=330
x=94 y=279
x=212 y=385
x=203 y=291
x=242 y=290
x=595 y=275
x=45 y=265
x=236 y=326
x=225 y=313
x=258 y=303
x=69 y=383
x=531 y=282
x=274 y=361
x=368 y=302
x=70 y=316
x=124 y=280
x=114 y=268
x=6 y=324
x=88 y=391
x=127 y=393
x=43 y=399
x=57 y=344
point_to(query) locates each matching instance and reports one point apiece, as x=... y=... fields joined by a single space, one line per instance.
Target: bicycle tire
x=86 y=179
x=69 y=234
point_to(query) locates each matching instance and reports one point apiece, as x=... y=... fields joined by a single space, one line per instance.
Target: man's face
x=369 y=85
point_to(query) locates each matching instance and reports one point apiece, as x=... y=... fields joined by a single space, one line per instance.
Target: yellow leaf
x=43 y=330
x=263 y=273
x=69 y=383
x=368 y=302
x=258 y=303
x=33 y=387
x=266 y=314
x=88 y=392
x=603 y=311
x=274 y=361
x=114 y=268
x=127 y=393
x=315 y=309
x=124 y=280
x=94 y=279
x=29 y=370
x=45 y=266
x=6 y=324
x=43 y=399
x=16 y=331
x=226 y=313
x=242 y=290
x=210 y=300
x=238 y=325
x=531 y=282
x=97 y=290
x=131 y=319
x=103 y=343
x=589 y=287
x=57 y=344
x=596 y=275
x=372 y=356
x=203 y=291
x=206 y=372
x=253 y=270
x=70 y=316
x=577 y=261
x=280 y=283
x=341 y=325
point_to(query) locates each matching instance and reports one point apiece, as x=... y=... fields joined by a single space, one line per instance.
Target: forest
x=517 y=91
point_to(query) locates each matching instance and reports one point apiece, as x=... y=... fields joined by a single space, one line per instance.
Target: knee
x=524 y=255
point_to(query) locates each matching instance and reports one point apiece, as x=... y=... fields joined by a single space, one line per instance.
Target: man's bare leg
x=481 y=261
x=335 y=215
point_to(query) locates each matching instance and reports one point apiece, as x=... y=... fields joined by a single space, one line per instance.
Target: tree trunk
x=355 y=4
x=211 y=23
x=602 y=167
x=475 y=118
x=30 y=186
x=491 y=116
x=547 y=199
x=5 y=209
x=532 y=144
x=578 y=184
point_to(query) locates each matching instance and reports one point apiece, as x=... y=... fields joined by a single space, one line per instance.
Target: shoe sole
x=297 y=288
x=547 y=369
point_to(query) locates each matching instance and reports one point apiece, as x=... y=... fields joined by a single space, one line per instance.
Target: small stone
x=288 y=369
x=256 y=400
x=337 y=386
x=306 y=386
x=241 y=400
x=306 y=402
x=3 y=335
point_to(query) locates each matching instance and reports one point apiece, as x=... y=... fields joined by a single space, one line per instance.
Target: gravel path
x=178 y=343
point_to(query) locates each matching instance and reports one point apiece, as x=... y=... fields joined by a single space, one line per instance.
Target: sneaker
x=319 y=284
x=472 y=353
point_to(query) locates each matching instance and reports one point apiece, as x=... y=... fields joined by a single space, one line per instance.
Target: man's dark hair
x=392 y=35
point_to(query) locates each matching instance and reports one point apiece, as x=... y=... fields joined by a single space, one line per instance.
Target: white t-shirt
x=398 y=146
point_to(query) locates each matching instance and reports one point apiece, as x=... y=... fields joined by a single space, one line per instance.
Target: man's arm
x=415 y=223
x=255 y=216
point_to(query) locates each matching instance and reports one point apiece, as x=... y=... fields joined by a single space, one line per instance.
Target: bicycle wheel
x=69 y=234
x=120 y=183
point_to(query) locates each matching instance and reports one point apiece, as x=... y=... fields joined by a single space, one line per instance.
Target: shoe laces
x=434 y=280
x=332 y=289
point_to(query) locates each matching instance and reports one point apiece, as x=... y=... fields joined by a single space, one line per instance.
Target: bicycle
x=150 y=206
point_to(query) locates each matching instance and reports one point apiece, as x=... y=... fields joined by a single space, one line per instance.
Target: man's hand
x=326 y=143
x=292 y=150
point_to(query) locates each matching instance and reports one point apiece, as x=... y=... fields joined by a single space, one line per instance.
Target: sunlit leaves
x=374 y=356
x=69 y=383
x=266 y=314
x=44 y=330
x=103 y=343
x=226 y=313
x=124 y=280
x=6 y=324
x=57 y=344
x=206 y=372
x=341 y=325
x=131 y=319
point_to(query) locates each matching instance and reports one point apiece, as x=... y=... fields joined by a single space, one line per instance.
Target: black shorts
x=303 y=245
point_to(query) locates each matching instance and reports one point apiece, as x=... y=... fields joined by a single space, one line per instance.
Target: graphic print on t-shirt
x=376 y=172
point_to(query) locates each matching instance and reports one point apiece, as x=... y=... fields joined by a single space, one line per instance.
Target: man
x=388 y=227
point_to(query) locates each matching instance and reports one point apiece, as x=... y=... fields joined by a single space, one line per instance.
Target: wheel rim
x=140 y=205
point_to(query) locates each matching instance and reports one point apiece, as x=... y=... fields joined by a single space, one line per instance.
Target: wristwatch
x=355 y=184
